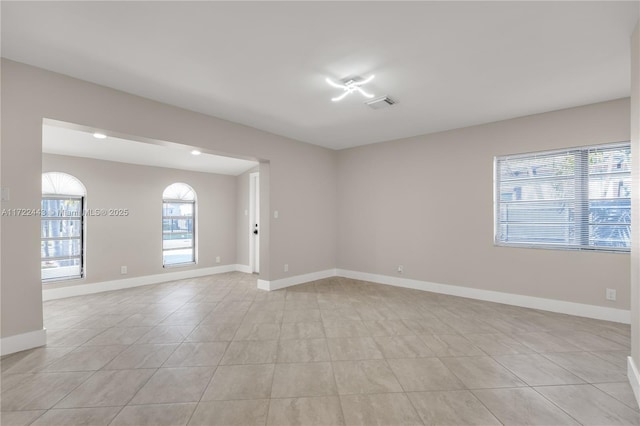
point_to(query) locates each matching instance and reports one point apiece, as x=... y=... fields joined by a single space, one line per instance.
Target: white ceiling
x=264 y=64
x=65 y=141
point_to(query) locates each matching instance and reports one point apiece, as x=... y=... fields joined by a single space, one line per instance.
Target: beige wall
x=427 y=203
x=298 y=180
x=135 y=240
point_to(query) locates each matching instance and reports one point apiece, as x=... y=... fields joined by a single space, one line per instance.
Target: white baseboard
x=570 y=308
x=37 y=338
x=22 y=342
x=634 y=378
x=83 y=289
x=295 y=280
x=244 y=268
x=263 y=285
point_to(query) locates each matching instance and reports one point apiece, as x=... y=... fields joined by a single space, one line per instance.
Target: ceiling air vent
x=380 y=103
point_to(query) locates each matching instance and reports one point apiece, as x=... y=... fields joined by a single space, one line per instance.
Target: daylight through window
x=572 y=199
x=61 y=227
x=178 y=224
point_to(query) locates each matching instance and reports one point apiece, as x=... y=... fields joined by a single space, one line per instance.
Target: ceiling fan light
x=350 y=85
x=365 y=81
x=363 y=93
x=334 y=84
x=341 y=97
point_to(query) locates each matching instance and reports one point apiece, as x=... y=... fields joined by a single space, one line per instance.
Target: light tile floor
x=216 y=350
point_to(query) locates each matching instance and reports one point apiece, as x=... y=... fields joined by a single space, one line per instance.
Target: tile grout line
x=556 y=405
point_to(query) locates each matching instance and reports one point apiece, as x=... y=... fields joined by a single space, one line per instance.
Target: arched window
x=62 y=227
x=178 y=225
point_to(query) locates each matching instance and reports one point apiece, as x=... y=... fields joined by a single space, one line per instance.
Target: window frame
x=81 y=237
x=581 y=198
x=192 y=218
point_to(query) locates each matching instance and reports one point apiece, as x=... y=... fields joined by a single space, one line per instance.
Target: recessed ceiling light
x=98 y=135
x=349 y=86
x=195 y=152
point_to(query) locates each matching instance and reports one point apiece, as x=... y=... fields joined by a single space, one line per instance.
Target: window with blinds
x=572 y=199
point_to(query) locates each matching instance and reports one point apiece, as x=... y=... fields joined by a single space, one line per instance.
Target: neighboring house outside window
x=178 y=225
x=62 y=227
x=577 y=198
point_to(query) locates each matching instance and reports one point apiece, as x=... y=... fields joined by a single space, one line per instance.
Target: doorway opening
x=168 y=223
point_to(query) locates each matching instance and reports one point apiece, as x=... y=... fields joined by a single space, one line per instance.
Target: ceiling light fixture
x=195 y=152
x=350 y=85
x=98 y=135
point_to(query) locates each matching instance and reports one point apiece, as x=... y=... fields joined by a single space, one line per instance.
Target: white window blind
x=578 y=198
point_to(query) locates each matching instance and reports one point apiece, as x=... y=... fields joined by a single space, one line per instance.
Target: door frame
x=254 y=221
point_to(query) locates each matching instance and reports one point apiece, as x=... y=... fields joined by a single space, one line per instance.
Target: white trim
x=295 y=280
x=263 y=285
x=560 y=306
x=22 y=342
x=244 y=268
x=82 y=289
x=254 y=218
x=634 y=378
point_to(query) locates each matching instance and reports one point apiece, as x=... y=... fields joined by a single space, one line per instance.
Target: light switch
x=5 y=194
x=275 y=214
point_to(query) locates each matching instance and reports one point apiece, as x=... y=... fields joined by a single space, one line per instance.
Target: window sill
x=60 y=280
x=179 y=265
x=563 y=248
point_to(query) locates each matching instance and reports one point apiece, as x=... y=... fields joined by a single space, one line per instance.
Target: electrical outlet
x=123 y=270
x=400 y=269
x=286 y=267
x=611 y=294
x=217 y=259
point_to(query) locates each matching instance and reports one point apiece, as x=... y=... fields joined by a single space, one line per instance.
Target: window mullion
x=582 y=197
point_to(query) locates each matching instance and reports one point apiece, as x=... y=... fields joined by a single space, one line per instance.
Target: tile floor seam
x=487 y=407
x=636 y=408
x=117 y=414
x=335 y=383
x=527 y=383
x=556 y=405
x=171 y=354
x=141 y=386
x=72 y=390
x=577 y=373
x=462 y=390
x=266 y=416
